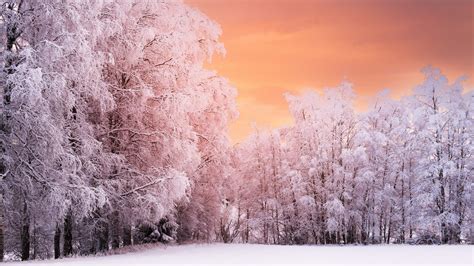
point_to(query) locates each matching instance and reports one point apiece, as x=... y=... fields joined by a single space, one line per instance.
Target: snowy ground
x=222 y=254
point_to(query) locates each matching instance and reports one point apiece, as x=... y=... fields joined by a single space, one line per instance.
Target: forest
x=114 y=133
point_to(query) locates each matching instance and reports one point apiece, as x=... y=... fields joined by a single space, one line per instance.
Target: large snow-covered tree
x=171 y=118
x=108 y=117
x=50 y=75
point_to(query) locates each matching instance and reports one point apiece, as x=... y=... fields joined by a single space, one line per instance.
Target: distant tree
x=442 y=120
x=398 y=171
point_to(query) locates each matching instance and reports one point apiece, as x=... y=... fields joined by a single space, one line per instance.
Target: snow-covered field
x=222 y=254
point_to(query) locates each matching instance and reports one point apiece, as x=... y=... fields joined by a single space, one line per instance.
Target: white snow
x=251 y=254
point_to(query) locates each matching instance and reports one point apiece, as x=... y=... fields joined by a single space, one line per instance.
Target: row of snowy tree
x=111 y=131
x=402 y=170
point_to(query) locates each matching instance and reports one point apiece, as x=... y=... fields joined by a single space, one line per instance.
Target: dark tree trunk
x=127 y=235
x=57 y=242
x=67 y=246
x=247 y=229
x=25 y=242
x=34 y=242
x=115 y=230
x=25 y=235
x=403 y=229
x=1 y=242
x=1 y=229
x=103 y=236
x=444 y=233
x=389 y=231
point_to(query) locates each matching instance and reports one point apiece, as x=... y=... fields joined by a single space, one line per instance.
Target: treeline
x=112 y=133
x=400 y=172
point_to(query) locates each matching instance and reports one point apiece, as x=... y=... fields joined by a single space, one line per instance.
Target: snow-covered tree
x=50 y=75
x=171 y=115
x=399 y=171
x=442 y=122
x=105 y=120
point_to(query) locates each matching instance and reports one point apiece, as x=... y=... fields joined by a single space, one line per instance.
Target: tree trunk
x=277 y=226
x=115 y=229
x=380 y=228
x=25 y=242
x=67 y=246
x=57 y=242
x=389 y=231
x=127 y=235
x=1 y=228
x=247 y=229
x=34 y=241
x=103 y=236
x=25 y=235
x=444 y=233
x=403 y=229
x=1 y=242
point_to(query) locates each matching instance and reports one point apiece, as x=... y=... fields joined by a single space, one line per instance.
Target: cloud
x=275 y=46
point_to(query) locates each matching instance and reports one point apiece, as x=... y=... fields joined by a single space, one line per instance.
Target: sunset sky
x=277 y=46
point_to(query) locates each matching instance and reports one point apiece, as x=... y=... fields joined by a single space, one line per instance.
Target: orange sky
x=277 y=46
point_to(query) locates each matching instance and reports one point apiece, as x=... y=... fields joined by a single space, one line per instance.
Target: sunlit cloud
x=278 y=46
